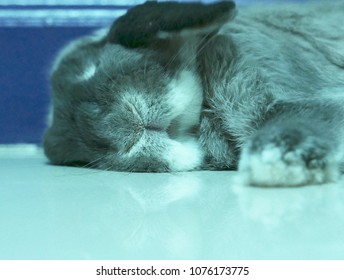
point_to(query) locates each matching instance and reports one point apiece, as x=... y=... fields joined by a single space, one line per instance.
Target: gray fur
x=272 y=84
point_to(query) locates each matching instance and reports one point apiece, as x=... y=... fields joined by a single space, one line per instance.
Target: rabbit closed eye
x=184 y=86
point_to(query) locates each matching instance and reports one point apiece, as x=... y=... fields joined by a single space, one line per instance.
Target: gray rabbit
x=190 y=86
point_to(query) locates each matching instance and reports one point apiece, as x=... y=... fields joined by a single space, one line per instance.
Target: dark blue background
x=26 y=55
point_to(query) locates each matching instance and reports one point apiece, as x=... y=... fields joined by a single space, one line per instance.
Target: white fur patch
x=184 y=156
x=270 y=168
x=185 y=97
x=74 y=45
x=88 y=72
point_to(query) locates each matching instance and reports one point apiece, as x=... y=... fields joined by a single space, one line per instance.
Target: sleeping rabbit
x=189 y=86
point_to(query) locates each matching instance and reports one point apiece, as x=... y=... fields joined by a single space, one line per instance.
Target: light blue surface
x=49 y=212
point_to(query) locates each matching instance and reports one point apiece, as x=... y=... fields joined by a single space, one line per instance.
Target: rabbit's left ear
x=143 y=24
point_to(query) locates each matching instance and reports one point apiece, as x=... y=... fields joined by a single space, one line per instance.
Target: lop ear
x=142 y=25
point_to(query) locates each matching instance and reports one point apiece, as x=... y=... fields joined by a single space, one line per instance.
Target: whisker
x=203 y=44
x=93 y=163
x=177 y=54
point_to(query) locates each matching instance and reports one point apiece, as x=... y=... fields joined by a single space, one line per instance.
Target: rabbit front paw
x=287 y=159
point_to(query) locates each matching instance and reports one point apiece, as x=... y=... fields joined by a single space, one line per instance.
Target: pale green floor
x=49 y=212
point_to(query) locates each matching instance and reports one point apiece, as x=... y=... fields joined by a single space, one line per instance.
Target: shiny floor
x=50 y=212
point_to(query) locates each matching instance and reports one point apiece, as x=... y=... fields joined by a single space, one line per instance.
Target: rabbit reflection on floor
x=181 y=216
x=190 y=86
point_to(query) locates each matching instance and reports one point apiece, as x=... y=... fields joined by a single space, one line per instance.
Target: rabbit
x=173 y=87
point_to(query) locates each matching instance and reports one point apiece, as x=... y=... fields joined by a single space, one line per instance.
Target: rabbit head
x=131 y=100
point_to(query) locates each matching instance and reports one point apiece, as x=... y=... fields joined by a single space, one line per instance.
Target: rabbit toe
x=273 y=164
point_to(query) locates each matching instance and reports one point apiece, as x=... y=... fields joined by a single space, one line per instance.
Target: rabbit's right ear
x=144 y=24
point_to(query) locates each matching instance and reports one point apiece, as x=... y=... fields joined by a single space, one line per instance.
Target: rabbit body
x=263 y=92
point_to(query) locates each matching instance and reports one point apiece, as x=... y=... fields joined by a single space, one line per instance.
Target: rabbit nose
x=172 y=129
x=178 y=129
x=154 y=128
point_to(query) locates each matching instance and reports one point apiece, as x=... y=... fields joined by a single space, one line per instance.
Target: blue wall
x=25 y=58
